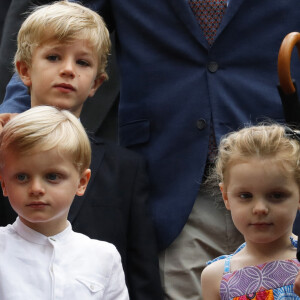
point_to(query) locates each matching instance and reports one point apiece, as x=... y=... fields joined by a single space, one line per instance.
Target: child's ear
x=24 y=72
x=4 y=191
x=83 y=182
x=224 y=195
x=97 y=83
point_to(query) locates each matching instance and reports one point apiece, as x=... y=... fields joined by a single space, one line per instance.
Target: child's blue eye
x=52 y=57
x=21 y=177
x=277 y=196
x=245 y=195
x=83 y=63
x=52 y=176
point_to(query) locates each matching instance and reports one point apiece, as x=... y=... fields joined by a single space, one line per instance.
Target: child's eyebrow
x=52 y=48
x=88 y=52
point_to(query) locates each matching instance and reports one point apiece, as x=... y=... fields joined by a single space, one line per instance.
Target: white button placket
x=52 y=268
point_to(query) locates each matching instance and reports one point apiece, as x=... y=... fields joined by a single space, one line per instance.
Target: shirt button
x=52 y=239
x=212 y=66
x=201 y=124
x=92 y=287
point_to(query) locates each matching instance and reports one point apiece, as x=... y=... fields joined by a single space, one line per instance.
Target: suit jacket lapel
x=229 y=14
x=185 y=13
x=97 y=157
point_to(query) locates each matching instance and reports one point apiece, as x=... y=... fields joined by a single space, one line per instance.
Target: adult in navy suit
x=174 y=86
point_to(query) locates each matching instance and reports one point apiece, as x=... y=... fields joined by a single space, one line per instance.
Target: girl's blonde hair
x=63 y=21
x=43 y=128
x=261 y=141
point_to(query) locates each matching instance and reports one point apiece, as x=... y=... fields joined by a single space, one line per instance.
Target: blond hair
x=63 y=21
x=43 y=128
x=261 y=141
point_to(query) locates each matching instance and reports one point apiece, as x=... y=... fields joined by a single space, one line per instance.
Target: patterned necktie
x=209 y=14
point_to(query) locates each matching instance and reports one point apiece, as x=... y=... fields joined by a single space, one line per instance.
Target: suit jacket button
x=212 y=66
x=201 y=124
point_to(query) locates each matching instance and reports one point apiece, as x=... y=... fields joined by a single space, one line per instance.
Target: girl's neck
x=259 y=253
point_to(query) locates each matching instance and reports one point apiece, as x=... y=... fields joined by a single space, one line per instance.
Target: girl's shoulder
x=214 y=269
x=213 y=273
x=211 y=279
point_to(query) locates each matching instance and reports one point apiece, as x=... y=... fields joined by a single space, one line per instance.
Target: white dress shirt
x=68 y=266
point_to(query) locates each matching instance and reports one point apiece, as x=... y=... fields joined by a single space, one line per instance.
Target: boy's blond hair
x=43 y=128
x=270 y=141
x=63 y=21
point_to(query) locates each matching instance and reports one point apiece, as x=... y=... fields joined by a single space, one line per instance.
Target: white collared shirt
x=68 y=266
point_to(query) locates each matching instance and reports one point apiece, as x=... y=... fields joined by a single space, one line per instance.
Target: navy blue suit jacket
x=173 y=86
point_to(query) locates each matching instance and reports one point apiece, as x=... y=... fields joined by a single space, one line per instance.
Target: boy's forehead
x=17 y=151
x=53 y=42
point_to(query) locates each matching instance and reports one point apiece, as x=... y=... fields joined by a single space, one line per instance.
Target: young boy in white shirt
x=44 y=162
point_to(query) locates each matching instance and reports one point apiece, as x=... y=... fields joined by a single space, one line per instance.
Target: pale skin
x=263 y=198
x=69 y=75
x=41 y=187
x=4 y=118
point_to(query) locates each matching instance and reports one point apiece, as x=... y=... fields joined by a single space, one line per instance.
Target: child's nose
x=260 y=208
x=36 y=188
x=68 y=69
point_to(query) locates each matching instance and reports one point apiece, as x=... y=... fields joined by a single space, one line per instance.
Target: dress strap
x=239 y=248
x=227 y=258
x=227 y=264
x=294 y=242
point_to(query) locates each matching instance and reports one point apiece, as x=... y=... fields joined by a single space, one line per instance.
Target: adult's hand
x=4 y=118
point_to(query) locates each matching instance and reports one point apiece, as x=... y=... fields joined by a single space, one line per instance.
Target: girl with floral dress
x=258 y=170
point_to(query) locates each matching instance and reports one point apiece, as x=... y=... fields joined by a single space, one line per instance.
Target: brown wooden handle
x=284 y=61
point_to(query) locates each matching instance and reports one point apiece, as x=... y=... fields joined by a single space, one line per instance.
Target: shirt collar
x=35 y=237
